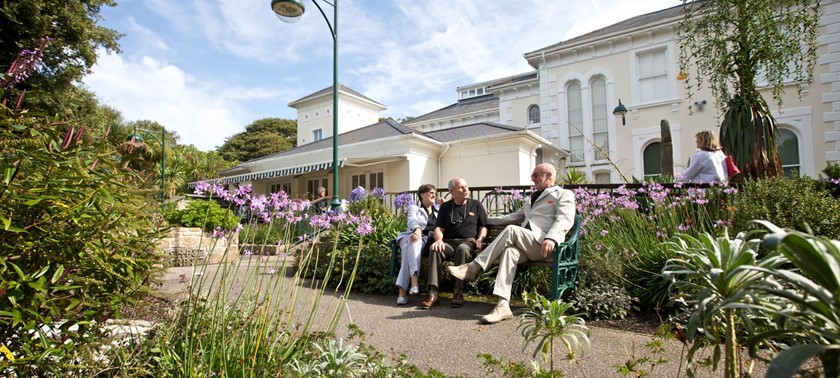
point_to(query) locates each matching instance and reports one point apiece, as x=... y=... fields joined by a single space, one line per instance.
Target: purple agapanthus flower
x=403 y=201
x=378 y=193
x=358 y=194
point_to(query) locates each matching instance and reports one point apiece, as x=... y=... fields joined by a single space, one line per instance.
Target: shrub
x=373 y=268
x=831 y=181
x=622 y=233
x=75 y=242
x=204 y=214
x=598 y=300
x=788 y=203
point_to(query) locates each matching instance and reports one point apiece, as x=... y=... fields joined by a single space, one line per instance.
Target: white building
x=559 y=112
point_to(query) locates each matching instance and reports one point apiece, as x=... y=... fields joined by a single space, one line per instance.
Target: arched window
x=575 y=108
x=533 y=114
x=600 y=130
x=788 y=145
x=651 y=160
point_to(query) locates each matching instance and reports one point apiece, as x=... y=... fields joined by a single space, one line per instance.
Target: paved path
x=449 y=339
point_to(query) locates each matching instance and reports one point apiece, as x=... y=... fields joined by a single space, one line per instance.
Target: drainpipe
x=438 y=161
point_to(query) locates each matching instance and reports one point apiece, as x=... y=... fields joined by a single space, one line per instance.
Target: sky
x=208 y=68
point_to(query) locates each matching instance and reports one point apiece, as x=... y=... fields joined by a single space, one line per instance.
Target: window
x=368 y=180
x=286 y=187
x=575 y=107
x=357 y=181
x=653 y=75
x=377 y=180
x=533 y=114
x=600 y=128
x=788 y=145
x=312 y=186
x=602 y=178
x=652 y=157
x=317 y=135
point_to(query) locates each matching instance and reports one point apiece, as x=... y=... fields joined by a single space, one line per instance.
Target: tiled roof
x=328 y=90
x=470 y=131
x=471 y=105
x=384 y=129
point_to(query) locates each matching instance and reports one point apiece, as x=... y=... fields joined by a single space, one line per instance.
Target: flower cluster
x=403 y=201
x=24 y=65
x=279 y=206
x=358 y=194
x=378 y=193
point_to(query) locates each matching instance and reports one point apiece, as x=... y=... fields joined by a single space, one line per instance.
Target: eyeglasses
x=455 y=217
x=537 y=174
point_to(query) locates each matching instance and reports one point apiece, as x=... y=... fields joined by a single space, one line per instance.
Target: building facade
x=561 y=113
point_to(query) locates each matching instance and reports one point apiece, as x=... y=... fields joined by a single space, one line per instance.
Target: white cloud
x=208 y=68
x=151 y=89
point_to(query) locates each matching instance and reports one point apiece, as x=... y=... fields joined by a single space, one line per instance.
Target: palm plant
x=814 y=291
x=717 y=278
x=546 y=321
x=572 y=176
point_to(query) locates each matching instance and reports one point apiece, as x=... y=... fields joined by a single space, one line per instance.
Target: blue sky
x=208 y=68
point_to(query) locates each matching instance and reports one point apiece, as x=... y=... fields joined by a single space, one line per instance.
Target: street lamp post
x=291 y=11
x=136 y=138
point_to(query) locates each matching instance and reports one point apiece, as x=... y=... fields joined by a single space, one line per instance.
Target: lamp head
x=620 y=110
x=288 y=10
x=135 y=138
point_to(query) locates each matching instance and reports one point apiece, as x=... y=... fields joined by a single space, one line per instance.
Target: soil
x=645 y=323
x=156 y=309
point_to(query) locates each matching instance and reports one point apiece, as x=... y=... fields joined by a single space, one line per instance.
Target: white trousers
x=410 y=260
x=513 y=246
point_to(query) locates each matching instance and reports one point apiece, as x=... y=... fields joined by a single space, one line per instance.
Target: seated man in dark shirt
x=459 y=231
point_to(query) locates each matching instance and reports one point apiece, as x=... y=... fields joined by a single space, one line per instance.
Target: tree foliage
x=75 y=241
x=731 y=44
x=75 y=40
x=262 y=137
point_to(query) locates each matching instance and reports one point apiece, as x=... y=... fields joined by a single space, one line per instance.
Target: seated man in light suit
x=545 y=219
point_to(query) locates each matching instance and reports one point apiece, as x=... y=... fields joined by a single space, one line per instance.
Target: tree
x=731 y=43
x=262 y=137
x=72 y=51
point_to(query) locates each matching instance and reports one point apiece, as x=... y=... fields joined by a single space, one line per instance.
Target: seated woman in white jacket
x=708 y=164
x=421 y=221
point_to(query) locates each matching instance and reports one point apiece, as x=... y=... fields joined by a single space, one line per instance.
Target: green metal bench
x=564 y=265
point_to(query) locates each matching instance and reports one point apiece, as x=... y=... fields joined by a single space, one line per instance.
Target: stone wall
x=186 y=246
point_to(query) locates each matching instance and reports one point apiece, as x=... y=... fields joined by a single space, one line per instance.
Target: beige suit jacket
x=551 y=216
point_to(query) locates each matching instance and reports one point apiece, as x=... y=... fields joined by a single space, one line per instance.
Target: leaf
x=57 y=274
x=787 y=363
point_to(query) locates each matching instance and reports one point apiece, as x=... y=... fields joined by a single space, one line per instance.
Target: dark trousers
x=460 y=251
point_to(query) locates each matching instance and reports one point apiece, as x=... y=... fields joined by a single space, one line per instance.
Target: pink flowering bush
x=624 y=232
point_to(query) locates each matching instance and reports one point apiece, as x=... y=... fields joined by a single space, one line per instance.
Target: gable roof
x=384 y=129
x=470 y=105
x=328 y=91
x=470 y=131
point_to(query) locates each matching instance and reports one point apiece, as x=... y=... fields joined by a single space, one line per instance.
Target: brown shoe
x=430 y=302
x=457 y=300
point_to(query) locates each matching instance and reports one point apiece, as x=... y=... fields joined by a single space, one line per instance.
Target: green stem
x=731 y=367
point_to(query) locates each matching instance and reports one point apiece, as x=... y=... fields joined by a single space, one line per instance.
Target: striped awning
x=281 y=172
